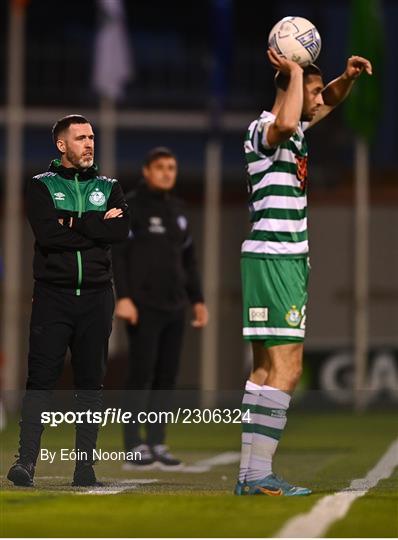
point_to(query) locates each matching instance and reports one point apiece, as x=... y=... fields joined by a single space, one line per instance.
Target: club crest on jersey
x=302 y=170
x=97 y=198
x=293 y=316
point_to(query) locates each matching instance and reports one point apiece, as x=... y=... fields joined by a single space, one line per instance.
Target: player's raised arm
x=337 y=90
x=289 y=102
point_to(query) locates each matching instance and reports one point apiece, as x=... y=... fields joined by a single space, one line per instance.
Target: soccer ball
x=296 y=39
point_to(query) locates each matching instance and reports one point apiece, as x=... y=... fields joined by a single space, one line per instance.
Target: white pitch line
x=133 y=480
x=316 y=522
x=51 y=477
x=132 y=483
x=226 y=458
x=105 y=491
x=205 y=465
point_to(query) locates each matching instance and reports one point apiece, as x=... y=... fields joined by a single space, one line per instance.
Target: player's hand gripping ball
x=296 y=39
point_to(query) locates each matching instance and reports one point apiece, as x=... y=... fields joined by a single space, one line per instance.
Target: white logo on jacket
x=182 y=222
x=59 y=196
x=156 y=225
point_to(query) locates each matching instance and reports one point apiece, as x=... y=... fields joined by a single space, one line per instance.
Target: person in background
x=156 y=276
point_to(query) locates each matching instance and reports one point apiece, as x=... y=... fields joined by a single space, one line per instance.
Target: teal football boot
x=273 y=486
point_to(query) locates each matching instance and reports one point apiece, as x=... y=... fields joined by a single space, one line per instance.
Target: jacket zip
x=78 y=253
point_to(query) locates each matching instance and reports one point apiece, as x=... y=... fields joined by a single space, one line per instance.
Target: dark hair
x=63 y=123
x=156 y=153
x=282 y=80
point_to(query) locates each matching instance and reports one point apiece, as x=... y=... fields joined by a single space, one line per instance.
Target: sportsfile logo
x=118 y=416
x=258 y=314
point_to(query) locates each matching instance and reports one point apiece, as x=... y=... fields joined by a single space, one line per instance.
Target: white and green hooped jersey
x=277 y=181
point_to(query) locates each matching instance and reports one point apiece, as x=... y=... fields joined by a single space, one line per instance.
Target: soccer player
x=75 y=215
x=274 y=259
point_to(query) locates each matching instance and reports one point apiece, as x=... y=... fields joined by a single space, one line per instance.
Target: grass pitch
x=322 y=451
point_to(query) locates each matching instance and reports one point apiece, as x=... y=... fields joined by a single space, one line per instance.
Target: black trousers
x=60 y=321
x=154 y=356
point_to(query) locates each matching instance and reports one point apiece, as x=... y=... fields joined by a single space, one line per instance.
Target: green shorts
x=274 y=299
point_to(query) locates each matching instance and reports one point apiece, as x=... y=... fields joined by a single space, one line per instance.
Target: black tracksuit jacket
x=156 y=266
x=78 y=258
